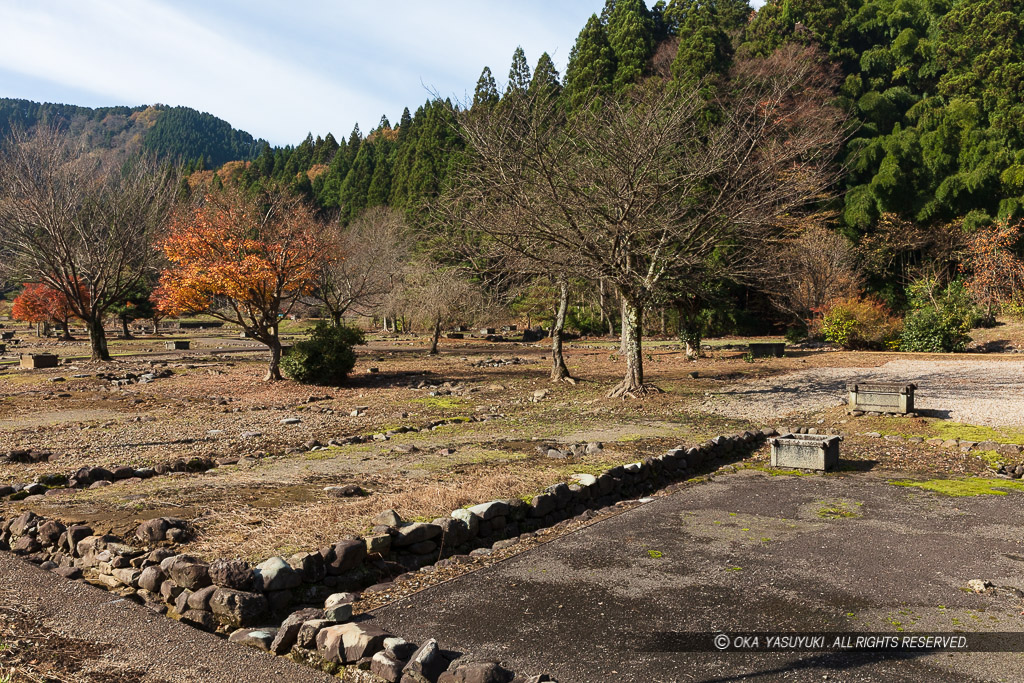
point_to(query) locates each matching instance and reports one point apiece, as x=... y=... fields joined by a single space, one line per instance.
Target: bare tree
x=361 y=262
x=435 y=296
x=816 y=267
x=642 y=191
x=83 y=229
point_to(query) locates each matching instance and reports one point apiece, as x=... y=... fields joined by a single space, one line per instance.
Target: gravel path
x=979 y=392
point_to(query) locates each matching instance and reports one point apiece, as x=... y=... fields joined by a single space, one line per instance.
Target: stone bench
x=34 y=361
x=178 y=345
x=806 y=451
x=881 y=397
x=767 y=349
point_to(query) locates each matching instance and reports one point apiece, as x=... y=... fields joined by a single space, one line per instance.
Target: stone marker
x=882 y=397
x=177 y=345
x=806 y=451
x=33 y=361
x=767 y=350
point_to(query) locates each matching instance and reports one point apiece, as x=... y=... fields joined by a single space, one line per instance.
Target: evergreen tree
x=545 y=77
x=486 y=93
x=591 y=66
x=704 y=49
x=519 y=73
x=631 y=36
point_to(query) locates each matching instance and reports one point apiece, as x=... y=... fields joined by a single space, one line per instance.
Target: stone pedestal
x=882 y=397
x=806 y=451
x=768 y=349
x=36 y=361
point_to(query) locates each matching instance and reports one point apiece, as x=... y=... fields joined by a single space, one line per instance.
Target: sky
x=278 y=70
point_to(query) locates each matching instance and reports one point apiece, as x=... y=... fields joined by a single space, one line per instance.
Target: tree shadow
x=857 y=465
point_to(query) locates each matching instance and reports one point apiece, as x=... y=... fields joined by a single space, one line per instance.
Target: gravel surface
x=124 y=641
x=980 y=392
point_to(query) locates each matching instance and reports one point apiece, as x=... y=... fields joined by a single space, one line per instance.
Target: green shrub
x=325 y=358
x=860 y=324
x=796 y=334
x=940 y=322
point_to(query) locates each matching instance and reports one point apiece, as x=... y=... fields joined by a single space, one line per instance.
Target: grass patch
x=959 y=488
x=775 y=472
x=838 y=510
x=991 y=458
x=954 y=430
x=655 y=554
x=441 y=402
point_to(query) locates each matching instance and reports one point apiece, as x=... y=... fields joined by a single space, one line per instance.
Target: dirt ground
x=214 y=403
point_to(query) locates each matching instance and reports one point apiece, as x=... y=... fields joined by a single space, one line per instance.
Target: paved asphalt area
x=746 y=552
x=137 y=639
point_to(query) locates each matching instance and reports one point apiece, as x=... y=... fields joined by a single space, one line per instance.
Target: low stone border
x=96 y=477
x=230 y=596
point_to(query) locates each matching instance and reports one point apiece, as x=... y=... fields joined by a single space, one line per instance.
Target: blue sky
x=275 y=69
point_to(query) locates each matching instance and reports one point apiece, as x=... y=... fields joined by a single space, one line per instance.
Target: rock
x=346 y=554
x=556 y=454
x=478 y=672
x=152 y=578
x=288 y=632
x=542 y=505
x=378 y=544
x=350 y=642
x=417 y=532
x=387 y=667
x=387 y=518
x=584 y=479
x=309 y=565
x=339 y=613
x=70 y=573
x=187 y=571
x=471 y=521
x=399 y=648
x=308 y=632
x=291 y=421
x=260 y=638
x=594 y=447
x=153 y=530
x=275 y=574
x=873 y=435
x=236 y=574
x=426 y=661
x=200 y=619
x=200 y=599
x=238 y=608
x=347 y=491
x=49 y=532
x=541 y=394
x=488 y=511
x=979 y=585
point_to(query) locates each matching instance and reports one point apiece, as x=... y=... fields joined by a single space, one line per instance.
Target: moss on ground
x=955 y=430
x=972 y=486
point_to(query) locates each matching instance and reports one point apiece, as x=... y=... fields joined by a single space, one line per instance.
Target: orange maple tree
x=996 y=271
x=41 y=304
x=242 y=259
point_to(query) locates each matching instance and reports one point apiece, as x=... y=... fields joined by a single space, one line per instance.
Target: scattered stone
x=288 y=633
x=346 y=491
x=275 y=574
x=260 y=638
x=979 y=585
x=291 y=421
x=478 y=672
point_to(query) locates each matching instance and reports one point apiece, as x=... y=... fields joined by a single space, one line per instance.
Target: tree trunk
x=125 y=332
x=690 y=332
x=272 y=340
x=434 y=337
x=66 y=333
x=623 y=348
x=274 y=368
x=559 y=371
x=97 y=340
x=336 y=318
x=633 y=383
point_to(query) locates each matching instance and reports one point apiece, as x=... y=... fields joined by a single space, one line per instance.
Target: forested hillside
x=933 y=88
x=180 y=133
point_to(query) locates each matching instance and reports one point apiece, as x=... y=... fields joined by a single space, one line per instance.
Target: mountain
x=177 y=133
